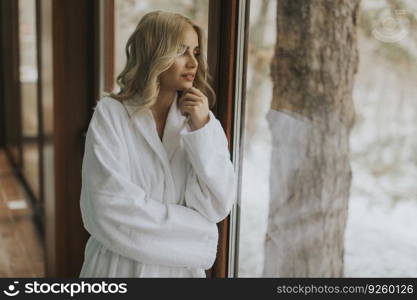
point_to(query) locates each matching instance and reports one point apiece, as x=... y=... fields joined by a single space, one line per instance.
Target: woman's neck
x=163 y=103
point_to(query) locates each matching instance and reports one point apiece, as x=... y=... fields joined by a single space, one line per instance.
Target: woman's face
x=180 y=76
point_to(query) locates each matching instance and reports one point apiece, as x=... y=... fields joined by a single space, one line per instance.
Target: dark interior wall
x=2 y=115
x=10 y=134
x=74 y=82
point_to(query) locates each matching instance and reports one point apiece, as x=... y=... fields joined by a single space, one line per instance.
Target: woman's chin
x=186 y=86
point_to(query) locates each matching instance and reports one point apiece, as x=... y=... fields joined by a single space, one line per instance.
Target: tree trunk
x=310 y=119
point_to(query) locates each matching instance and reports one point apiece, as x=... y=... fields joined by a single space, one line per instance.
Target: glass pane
x=381 y=233
x=129 y=12
x=28 y=83
x=257 y=147
x=279 y=216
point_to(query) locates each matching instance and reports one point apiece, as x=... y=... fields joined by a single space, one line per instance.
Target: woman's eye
x=182 y=50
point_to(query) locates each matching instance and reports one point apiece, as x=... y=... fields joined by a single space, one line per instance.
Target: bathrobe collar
x=146 y=125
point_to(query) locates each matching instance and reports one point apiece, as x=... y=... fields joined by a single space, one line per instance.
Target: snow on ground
x=381 y=240
x=254 y=211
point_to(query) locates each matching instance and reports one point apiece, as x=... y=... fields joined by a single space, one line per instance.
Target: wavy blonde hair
x=151 y=50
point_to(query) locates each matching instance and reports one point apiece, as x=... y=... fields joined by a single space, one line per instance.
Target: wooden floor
x=21 y=252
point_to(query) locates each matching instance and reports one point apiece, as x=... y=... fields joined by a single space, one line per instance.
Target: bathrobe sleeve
x=118 y=213
x=211 y=181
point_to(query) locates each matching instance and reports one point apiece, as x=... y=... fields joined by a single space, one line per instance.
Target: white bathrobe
x=151 y=207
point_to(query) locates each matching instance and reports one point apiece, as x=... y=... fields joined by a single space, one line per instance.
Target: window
x=376 y=213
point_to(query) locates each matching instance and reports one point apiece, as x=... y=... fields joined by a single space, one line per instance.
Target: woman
x=156 y=174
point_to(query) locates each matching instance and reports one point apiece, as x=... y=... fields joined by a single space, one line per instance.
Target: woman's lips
x=188 y=77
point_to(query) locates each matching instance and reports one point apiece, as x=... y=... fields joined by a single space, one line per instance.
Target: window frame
x=227 y=53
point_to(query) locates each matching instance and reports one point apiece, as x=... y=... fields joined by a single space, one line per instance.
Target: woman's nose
x=192 y=61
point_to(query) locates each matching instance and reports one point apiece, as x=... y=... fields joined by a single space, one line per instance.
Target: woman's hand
x=194 y=103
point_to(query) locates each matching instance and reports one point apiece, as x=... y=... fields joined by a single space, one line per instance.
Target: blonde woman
x=156 y=174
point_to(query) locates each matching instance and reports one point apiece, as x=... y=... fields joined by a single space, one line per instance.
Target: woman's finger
x=197 y=91
x=192 y=107
x=193 y=97
x=190 y=102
